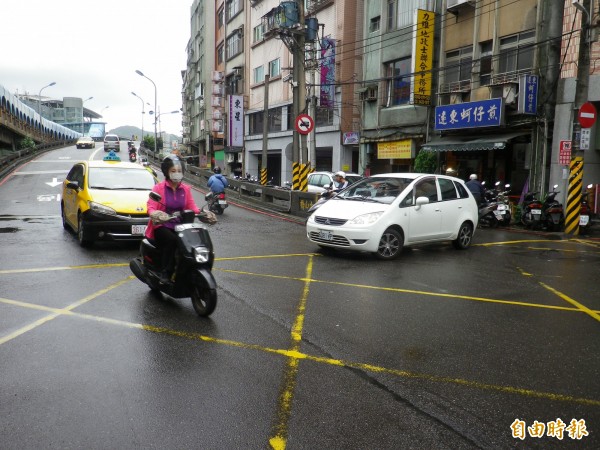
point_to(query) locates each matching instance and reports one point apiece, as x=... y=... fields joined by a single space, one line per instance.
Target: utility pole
x=265 y=140
x=312 y=159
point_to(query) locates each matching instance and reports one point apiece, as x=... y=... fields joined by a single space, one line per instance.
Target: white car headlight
x=102 y=209
x=202 y=254
x=366 y=219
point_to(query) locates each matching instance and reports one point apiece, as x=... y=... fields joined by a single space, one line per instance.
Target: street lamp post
x=139 y=72
x=40 y=97
x=82 y=115
x=143 y=112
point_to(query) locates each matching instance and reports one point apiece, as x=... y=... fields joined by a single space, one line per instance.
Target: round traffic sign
x=587 y=115
x=304 y=124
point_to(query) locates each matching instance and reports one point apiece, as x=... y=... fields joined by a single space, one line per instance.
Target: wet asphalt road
x=439 y=349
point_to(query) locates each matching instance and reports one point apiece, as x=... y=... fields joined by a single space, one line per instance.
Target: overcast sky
x=93 y=48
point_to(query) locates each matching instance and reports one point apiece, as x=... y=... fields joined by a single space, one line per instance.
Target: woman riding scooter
x=176 y=196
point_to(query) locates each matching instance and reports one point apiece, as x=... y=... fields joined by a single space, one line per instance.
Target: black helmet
x=217 y=169
x=168 y=162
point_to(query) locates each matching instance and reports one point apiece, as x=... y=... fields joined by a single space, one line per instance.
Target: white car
x=318 y=180
x=383 y=213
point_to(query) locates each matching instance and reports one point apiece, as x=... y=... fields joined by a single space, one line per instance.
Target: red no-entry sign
x=587 y=115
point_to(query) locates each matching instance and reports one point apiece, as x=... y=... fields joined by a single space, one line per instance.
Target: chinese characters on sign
x=398 y=149
x=528 y=88
x=564 y=156
x=485 y=113
x=236 y=121
x=423 y=57
x=556 y=428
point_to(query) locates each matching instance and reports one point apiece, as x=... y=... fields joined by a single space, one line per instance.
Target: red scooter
x=585 y=212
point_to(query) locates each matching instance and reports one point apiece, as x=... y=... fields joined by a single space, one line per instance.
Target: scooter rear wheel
x=204 y=299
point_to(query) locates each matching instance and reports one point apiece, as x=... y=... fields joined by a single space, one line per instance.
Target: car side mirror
x=73 y=185
x=421 y=201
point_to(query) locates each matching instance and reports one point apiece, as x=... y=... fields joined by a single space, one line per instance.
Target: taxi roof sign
x=112 y=156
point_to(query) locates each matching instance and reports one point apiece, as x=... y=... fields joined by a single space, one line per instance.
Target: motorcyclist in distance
x=217 y=182
x=176 y=196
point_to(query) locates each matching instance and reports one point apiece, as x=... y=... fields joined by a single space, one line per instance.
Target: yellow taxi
x=106 y=200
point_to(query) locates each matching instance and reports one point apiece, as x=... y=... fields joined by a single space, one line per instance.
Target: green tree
x=149 y=142
x=426 y=162
x=27 y=143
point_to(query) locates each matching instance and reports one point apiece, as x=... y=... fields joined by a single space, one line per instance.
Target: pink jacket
x=155 y=206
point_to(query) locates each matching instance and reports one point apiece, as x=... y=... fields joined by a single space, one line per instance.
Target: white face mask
x=176 y=177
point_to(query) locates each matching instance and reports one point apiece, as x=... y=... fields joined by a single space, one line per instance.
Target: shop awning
x=471 y=143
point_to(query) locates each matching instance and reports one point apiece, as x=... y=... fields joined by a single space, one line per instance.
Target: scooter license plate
x=584 y=220
x=222 y=202
x=138 y=230
x=536 y=212
x=326 y=235
x=499 y=213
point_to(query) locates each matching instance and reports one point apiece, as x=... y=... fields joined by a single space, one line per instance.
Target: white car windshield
x=376 y=189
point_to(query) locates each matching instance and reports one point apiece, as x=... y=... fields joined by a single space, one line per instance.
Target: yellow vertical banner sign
x=574 y=196
x=423 y=57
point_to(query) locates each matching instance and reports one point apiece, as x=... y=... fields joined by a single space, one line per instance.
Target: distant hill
x=127 y=131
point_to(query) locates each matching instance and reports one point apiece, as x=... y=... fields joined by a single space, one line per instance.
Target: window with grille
x=234 y=45
x=516 y=52
x=232 y=8
x=485 y=63
x=459 y=65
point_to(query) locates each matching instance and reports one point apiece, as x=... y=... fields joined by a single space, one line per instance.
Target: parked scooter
x=553 y=217
x=503 y=210
x=194 y=259
x=531 y=211
x=216 y=202
x=585 y=212
x=491 y=212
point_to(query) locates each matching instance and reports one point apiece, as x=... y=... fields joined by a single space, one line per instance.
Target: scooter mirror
x=506 y=186
x=589 y=186
x=497 y=183
x=155 y=196
x=555 y=186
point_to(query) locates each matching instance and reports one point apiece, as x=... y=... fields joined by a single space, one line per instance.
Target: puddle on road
x=9 y=230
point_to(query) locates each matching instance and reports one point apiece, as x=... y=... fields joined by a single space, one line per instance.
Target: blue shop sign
x=528 y=90
x=484 y=113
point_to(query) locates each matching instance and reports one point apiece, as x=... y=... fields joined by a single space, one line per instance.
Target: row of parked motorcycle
x=536 y=214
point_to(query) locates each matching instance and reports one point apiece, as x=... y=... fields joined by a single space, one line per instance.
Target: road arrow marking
x=54 y=182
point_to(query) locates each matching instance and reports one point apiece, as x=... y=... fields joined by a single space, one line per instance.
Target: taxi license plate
x=138 y=230
x=326 y=235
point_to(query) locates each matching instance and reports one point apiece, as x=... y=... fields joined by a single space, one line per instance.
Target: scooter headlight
x=201 y=254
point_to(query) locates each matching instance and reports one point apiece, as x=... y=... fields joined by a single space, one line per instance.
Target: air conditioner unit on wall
x=230 y=157
x=455 y=98
x=510 y=93
x=240 y=156
x=453 y=5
